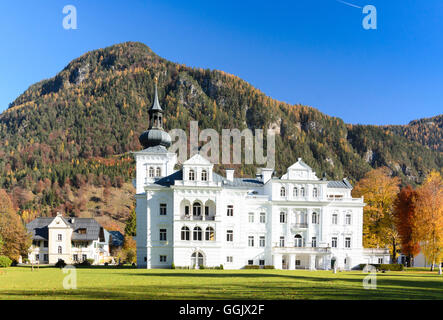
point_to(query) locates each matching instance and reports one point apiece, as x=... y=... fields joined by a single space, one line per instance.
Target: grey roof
x=39 y=228
x=340 y=184
x=236 y=183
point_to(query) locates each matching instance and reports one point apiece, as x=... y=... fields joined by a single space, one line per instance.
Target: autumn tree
x=379 y=190
x=428 y=221
x=404 y=214
x=16 y=240
x=131 y=227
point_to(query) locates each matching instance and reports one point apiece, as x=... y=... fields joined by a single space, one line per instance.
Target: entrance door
x=197 y=259
x=284 y=262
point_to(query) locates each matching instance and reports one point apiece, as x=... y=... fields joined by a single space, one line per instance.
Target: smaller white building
x=70 y=239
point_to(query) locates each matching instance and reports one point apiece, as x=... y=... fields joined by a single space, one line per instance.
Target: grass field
x=129 y=283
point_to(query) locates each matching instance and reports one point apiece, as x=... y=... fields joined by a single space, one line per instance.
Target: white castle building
x=194 y=217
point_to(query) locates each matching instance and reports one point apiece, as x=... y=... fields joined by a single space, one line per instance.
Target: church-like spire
x=156 y=105
x=155 y=135
x=156 y=112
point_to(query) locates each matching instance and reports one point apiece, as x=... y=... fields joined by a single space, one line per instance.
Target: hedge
x=385 y=267
x=5 y=262
x=252 y=266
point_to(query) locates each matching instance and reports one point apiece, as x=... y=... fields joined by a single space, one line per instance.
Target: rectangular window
x=262 y=217
x=282 y=217
x=314 y=242
x=334 y=218
x=282 y=241
x=347 y=242
x=187 y=210
x=380 y=260
x=297 y=262
x=250 y=262
x=230 y=235
x=230 y=211
x=46 y=257
x=162 y=209
x=75 y=257
x=348 y=219
x=162 y=258
x=59 y=237
x=45 y=244
x=334 y=242
x=82 y=231
x=251 y=241
x=162 y=234
x=261 y=262
x=262 y=241
x=84 y=257
x=251 y=217
x=229 y=259
x=206 y=211
x=37 y=257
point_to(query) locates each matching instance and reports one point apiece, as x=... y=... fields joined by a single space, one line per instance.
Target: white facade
x=72 y=240
x=194 y=216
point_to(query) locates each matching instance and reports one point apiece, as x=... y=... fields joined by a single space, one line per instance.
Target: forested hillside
x=66 y=140
x=428 y=131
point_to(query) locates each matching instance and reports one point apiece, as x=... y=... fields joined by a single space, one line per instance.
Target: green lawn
x=128 y=283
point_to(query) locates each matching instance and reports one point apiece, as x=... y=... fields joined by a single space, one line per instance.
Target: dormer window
x=204 y=175
x=191 y=175
x=151 y=172
x=82 y=231
x=158 y=172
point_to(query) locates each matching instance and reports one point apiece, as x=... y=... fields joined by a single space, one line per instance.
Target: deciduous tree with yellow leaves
x=16 y=240
x=379 y=190
x=428 y=221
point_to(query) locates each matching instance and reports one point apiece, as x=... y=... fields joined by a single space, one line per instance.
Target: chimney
x=230 y=174
x=72 y=220
x=266 y=174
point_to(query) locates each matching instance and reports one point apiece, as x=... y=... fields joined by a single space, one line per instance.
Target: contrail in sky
x=348 y=4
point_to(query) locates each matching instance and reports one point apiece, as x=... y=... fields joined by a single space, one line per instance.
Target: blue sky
x=313 y=52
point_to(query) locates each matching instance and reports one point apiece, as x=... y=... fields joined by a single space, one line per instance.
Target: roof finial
x=156 y=104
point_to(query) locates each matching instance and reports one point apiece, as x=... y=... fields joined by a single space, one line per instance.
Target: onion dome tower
x=155 y=135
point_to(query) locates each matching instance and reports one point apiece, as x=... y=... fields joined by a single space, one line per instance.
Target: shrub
x=60 y=264
x=252 y=266
x=5 y=262
x=268 y=267
x=221 y=267
x=384 y=267
x=202 y=267
x=173 y=265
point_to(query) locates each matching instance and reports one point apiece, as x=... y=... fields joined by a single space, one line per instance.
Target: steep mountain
x=428 y=131
x=66 y=140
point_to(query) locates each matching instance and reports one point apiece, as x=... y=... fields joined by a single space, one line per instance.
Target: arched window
x=197 y=234
x=282 y=192
x=204 y=175
x=302 y=191
x=315 y=192
x=191 y=175
x=158 y=172
x=314 y=218
x=295 y=192
x=60 y=250
x=196 y=209
x=298 y=241
x=185 y=233
x=151 y=172
x=209 y=234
